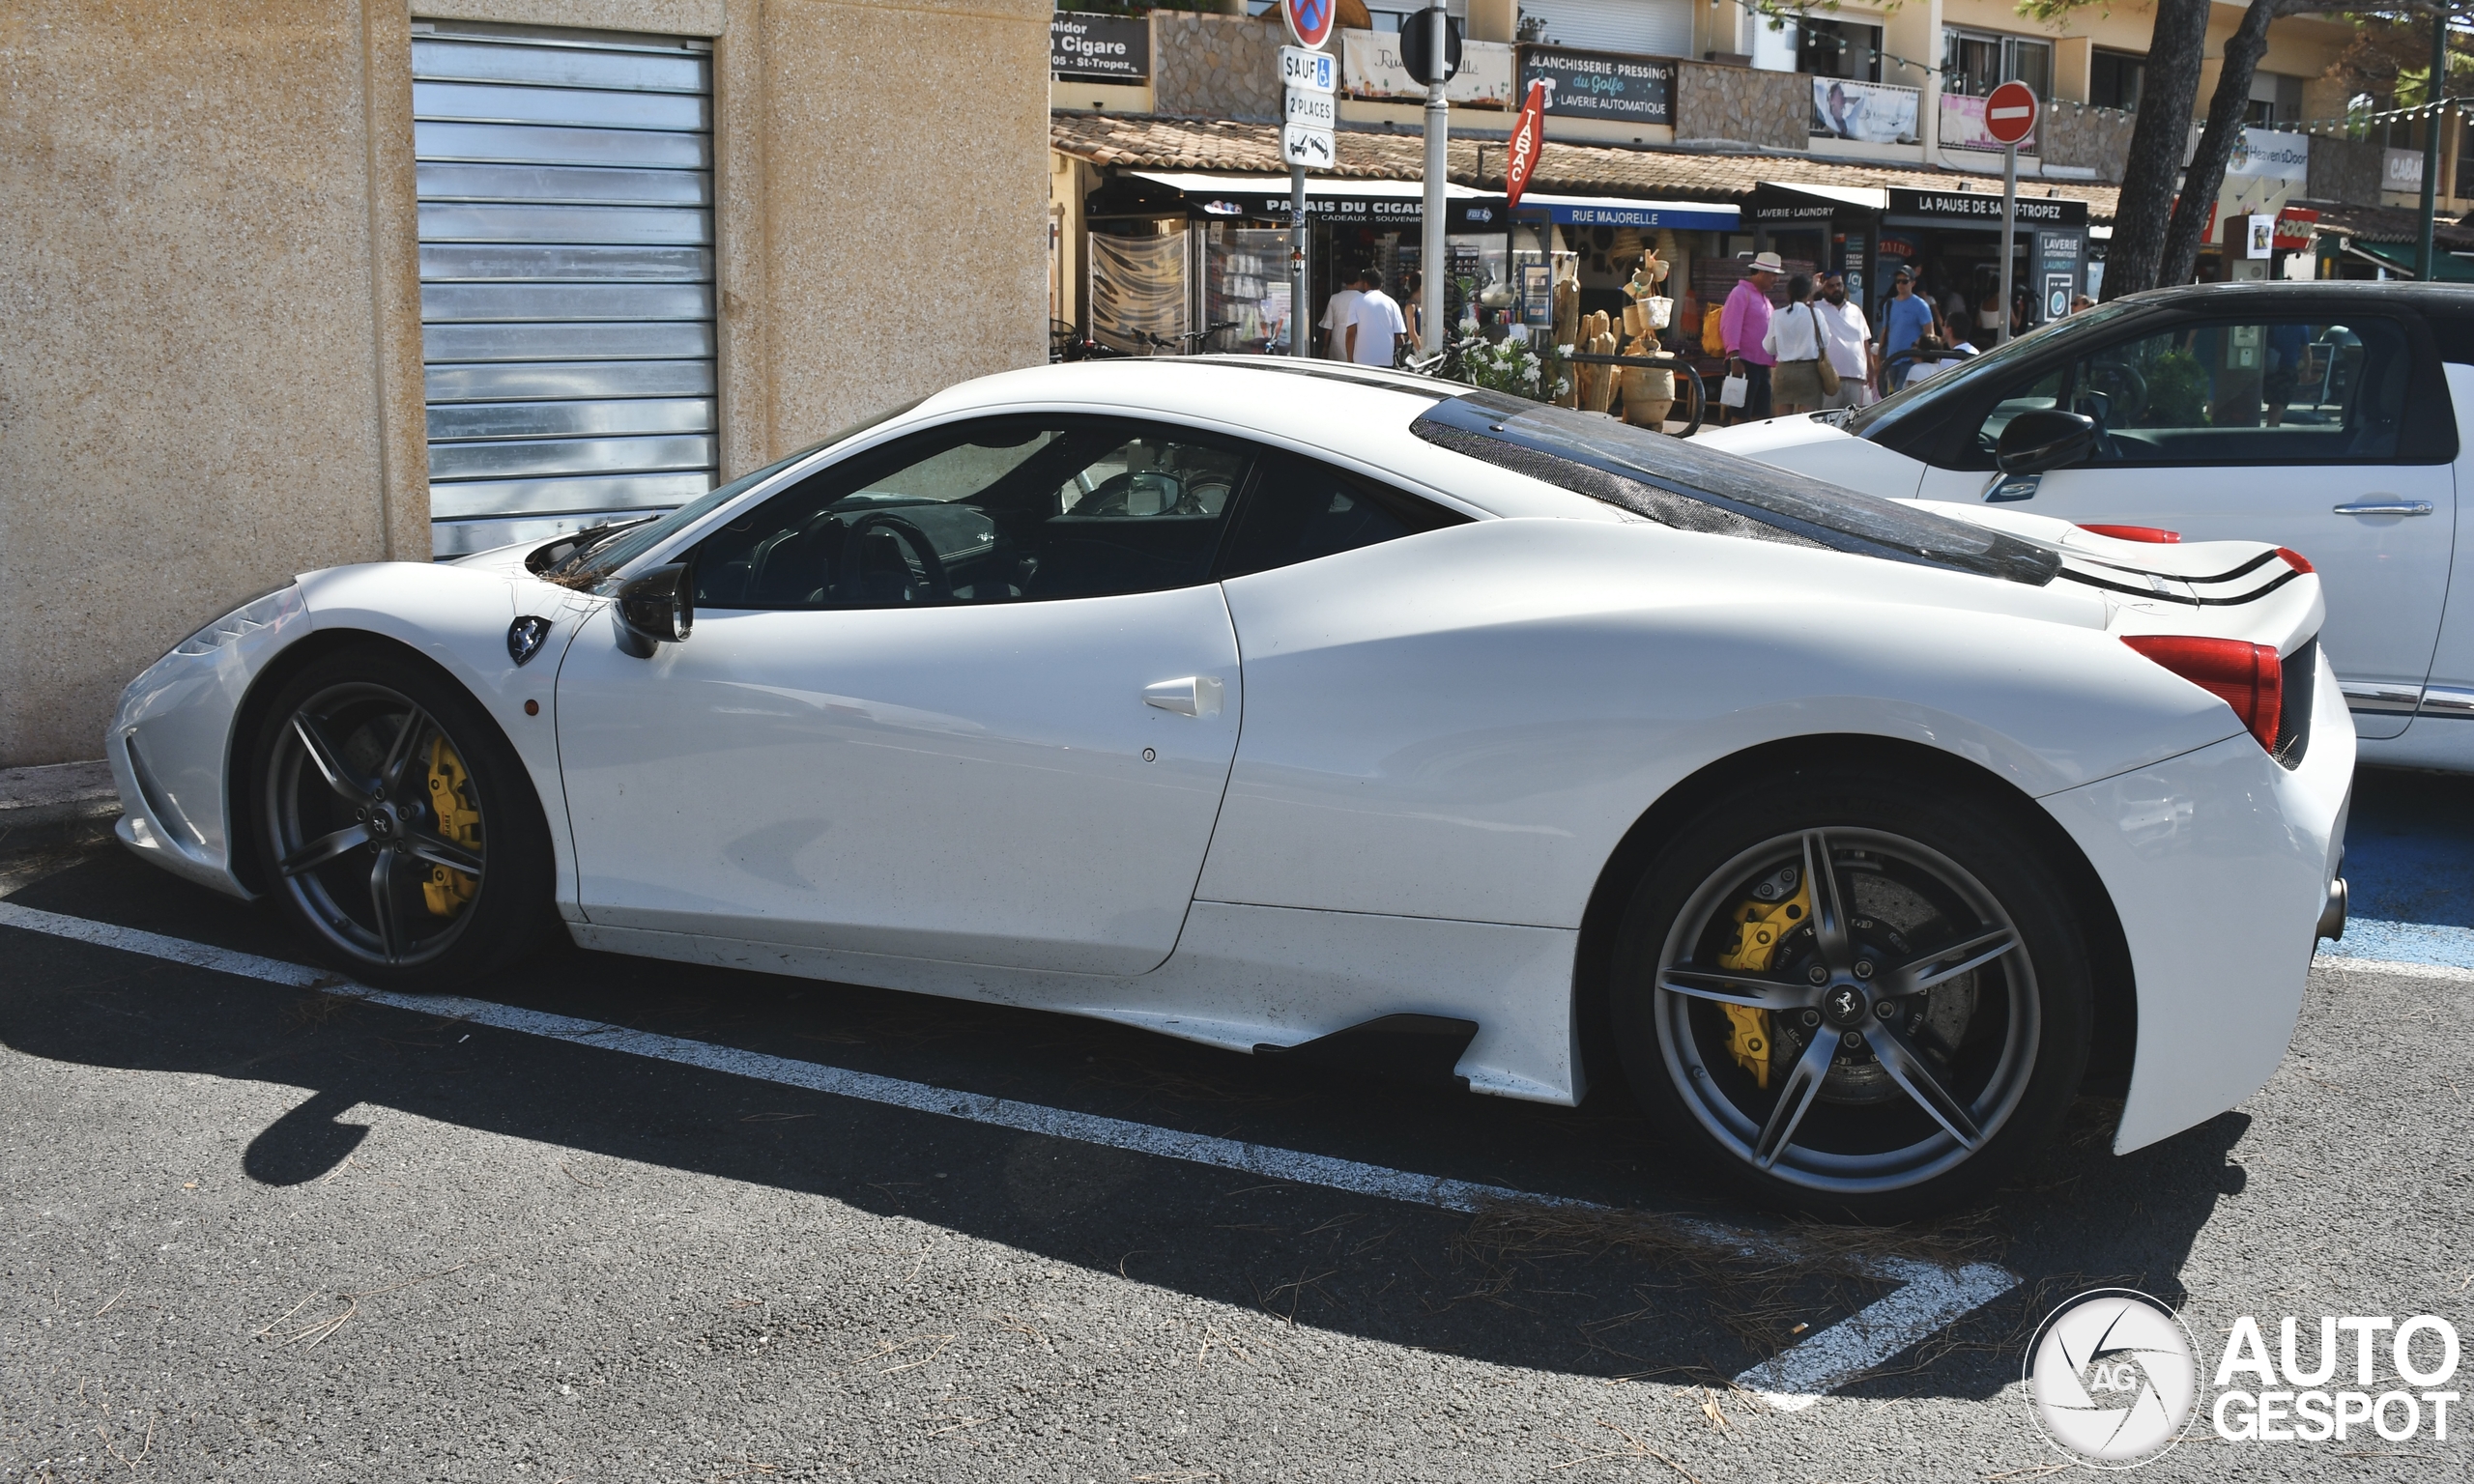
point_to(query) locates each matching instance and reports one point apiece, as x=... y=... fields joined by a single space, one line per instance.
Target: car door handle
x=2386 y=507
x=1192 y=695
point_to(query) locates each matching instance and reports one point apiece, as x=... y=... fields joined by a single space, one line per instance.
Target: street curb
x=57 y=793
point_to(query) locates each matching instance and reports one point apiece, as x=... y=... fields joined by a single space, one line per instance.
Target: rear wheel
x=397 y=824
x=1853 y=995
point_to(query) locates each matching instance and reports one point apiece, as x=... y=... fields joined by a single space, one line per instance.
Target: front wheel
x=1853 y=995
x=395 y=824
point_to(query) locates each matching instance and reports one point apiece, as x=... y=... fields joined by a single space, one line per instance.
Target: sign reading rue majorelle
x=1310 y=81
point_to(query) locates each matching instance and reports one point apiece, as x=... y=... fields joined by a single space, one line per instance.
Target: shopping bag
x=1733 y=392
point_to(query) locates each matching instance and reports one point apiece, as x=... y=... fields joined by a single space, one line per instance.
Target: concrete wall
x=1772 y=110
x=2346 y=170
x=209 y=364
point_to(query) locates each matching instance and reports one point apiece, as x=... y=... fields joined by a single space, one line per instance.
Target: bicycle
x=1192 y=342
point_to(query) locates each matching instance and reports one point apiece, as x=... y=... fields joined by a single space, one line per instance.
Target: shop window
x=2115 y=79
x=2230 y=393
x=994 y=510
x=1839 y=48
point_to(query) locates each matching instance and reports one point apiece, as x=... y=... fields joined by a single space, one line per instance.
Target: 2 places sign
x=1311 y=112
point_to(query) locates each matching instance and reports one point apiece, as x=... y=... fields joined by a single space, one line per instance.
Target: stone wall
x=1770 y=110
x=1214 y=67
x=2077 y=135
x=2346 y=170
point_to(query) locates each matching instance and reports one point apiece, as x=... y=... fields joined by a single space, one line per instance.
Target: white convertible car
x=1279 y=707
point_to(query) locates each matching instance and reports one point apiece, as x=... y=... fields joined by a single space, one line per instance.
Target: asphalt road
x=249 y=1230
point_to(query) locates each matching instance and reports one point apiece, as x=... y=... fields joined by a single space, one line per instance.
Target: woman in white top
x=1795 y=338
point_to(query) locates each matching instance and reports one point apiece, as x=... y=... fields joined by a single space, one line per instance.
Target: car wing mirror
x=2036 y=442
x=658 y=608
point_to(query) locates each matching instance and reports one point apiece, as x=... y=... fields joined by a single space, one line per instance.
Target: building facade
x=308 y=282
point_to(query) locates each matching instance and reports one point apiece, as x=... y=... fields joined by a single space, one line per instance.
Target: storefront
x=1951 y=240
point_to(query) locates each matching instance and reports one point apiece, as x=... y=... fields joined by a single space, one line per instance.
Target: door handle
x=1192 y=695
x=2386 y=507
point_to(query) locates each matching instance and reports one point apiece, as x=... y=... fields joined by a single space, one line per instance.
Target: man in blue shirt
x=1903 y=319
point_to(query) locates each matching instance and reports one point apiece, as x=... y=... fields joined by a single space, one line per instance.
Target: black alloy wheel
x=1852 y=995
x=395 y=823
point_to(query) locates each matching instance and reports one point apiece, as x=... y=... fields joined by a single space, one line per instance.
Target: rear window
x=1683 y=484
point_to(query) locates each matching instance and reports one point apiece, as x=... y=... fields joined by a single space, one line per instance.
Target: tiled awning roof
x=1143 y=143
x=2390 y=224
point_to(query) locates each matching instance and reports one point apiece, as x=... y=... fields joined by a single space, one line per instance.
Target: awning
x=1789 y=200
x=1617 y=212
x=2402 y=258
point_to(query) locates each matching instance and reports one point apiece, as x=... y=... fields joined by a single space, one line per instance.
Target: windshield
x=1877 y=418
x=1652 y=468
x=596 y=557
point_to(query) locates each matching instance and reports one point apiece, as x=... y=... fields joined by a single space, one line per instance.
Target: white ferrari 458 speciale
x=1266 y=705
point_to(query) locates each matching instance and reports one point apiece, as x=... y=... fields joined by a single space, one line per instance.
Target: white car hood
x=1815 y=445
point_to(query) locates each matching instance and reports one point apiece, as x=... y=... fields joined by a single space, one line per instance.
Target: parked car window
x=996 y=510
x=2230 y=393
x=1297 y=509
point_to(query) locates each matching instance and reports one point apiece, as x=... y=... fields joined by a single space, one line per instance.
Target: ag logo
x=2112 y=1379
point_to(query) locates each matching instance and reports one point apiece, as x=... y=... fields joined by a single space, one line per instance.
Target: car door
x=970 y=697
x=2312 y=429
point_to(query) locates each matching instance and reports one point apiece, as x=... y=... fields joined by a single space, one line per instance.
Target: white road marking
x=1929 y=1298
x=2397 y=967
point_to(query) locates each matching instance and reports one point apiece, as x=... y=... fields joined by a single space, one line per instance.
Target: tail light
x=2147 y=533
x=2246 y=676
x=2295 y=559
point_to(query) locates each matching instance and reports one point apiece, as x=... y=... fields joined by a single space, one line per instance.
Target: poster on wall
x=1083 y=47
x=1601 y=84
x=1138 y=289
x=1370 y=67
x=1868 y=112
x=2265 y=154
x=1963 y=127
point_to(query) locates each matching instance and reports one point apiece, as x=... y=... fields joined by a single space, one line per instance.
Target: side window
x=1298 y=510
x=997 y=510
x=2247 y=391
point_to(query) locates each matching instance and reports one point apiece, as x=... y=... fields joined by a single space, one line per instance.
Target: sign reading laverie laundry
x=1099 y=48
x=1600 y=84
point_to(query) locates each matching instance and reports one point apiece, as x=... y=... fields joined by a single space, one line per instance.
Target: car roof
x=2218 y=296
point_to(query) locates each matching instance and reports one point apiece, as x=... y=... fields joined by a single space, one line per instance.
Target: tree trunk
x=2225 y=112
x=2157 y=139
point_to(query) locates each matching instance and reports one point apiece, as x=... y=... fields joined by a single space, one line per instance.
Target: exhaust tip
x=2332 y=913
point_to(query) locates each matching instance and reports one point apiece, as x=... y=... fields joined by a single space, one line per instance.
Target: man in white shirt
x=1849 y=343
x=1376 y=325
x=1337 y=311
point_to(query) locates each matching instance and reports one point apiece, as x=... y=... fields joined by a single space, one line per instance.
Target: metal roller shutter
x=1657 y=28
x=566 y=256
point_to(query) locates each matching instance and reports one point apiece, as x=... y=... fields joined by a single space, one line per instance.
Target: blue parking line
x=2409 y=866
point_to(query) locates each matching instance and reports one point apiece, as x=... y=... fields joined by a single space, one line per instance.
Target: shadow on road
x=1586 y=1297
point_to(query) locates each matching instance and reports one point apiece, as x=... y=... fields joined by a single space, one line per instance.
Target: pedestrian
x=1376 y=327
x=1413 y=304
x=2078 y=301
x=1795 y=340
x=1850 y=341
x=1336 y=311
x=1742 y=326
x=1905 y=319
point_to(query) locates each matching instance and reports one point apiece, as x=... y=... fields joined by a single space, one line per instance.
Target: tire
x=1957 y=966
x=395 y=824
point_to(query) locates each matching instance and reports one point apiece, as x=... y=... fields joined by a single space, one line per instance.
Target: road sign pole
x=2009 y=221
x=1434 y=261
x=1300 y=322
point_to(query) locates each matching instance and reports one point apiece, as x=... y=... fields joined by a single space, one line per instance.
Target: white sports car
x=1277 y=707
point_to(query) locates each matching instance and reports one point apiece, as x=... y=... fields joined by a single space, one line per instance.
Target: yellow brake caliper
x=1761 y=927
x=448 y=891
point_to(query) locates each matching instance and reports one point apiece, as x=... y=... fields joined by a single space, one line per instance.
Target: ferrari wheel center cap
x=382 y=822
x=1844 y=1005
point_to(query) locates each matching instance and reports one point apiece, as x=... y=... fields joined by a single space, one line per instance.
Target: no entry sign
x=2009 y=113
x=1310 y=22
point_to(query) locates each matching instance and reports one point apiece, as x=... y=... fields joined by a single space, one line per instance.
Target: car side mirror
x=658 y=608
x=2033 y=442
